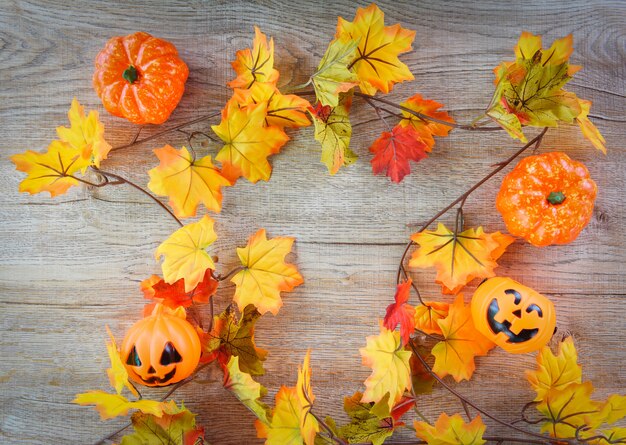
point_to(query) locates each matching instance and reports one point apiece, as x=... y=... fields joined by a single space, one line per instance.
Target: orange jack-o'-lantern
x=513 y=316
x=161 y=349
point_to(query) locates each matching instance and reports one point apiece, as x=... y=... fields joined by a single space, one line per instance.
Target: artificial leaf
x=283 y=110
x=52 y=171
x=365 y=425
x=85 y=135
x=333 y=76
x=376 y=62
x=424 y=127
x=555 y=371
x=113 y=405
x=422 y=380
x=323 y=437
x=236 y=338
x=248 y=142
x=177 y=426
x=256 y=64
x=246 y=389
x=586 y=126
x=428 y=314
x=309 y=426
x=265 y=274
x=389 y=361
x=462 y=342
x=333 y=131
x=458 y=257
x=452 y=431
x=187 y=181
x=393 y=151
x=284 y=427
x=401 y=313
x=118 y=376
x=185 y=257
x=174 y=295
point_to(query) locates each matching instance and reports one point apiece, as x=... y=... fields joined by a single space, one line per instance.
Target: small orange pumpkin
x=140 y=78
x=161 y=349
x=513 y=316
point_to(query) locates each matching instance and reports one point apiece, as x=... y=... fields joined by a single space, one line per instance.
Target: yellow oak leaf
x=248 y=142
x=451 y=431
x=427 y=316
x=458 y=257
x=246 y=389
x=391 y=372
x=265 y=274
x=256 y=64
x=284 y=427
x=555 y=371
x=283 y=110
x=333 y=131
x=309 y=425
x=586 y=126
x=114 y=405
x=376 y=62
x=52 y=171
x=184 y=253
x=187 y=181
x=462 y=342
x=333 y=76
x=426 y=128
x=85 y=135
x=118 y=375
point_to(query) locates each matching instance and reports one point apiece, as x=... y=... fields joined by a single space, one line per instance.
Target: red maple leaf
x=393 y=151
x=401 y=312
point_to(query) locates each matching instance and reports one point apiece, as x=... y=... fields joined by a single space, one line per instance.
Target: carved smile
x=505 y=327
x=166 y=378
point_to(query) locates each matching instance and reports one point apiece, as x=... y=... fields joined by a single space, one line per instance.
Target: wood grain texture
x=71 y=265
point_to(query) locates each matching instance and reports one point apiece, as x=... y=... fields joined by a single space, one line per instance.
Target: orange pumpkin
x=140 y=78
x=513 y=316
x=161 y=349
x=547 y=199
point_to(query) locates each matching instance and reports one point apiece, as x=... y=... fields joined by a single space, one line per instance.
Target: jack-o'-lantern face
x=513 y=316
x=161 y=349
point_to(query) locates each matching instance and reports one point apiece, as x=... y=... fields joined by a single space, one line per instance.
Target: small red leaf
x=393 y=151
x=401 y=312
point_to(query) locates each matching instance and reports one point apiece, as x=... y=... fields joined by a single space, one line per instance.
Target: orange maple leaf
x=401 y=312
x=462 y=342
x=587 y=127
x=452 y=430
x=187 y=181
x=376 y=63
x=174 y=295
x=256 y=64
x=458 y=257
x=393 y=151
x=248 y=142
x=426 y=128
x=428 y=314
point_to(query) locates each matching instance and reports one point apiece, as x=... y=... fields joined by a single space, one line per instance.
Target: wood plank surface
x=72 y=265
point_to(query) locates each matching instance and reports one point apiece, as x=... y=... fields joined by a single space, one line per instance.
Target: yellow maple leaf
x=332 y=75
x=248 y=142
x=283 y=110
x=284 y=427
x=309 y=426
x=246 y=389
x=426 y=128
x=265 y=274
x=428 y=314
x=451 y=431
x=52 y=171
x=462 y=342
x=184 y=253
x=114 y=405
x=588 y=129
x=458 y=257
x=391 y=372
x=187 y=181
x=118 y=375
x=86 y=134
x=376 y=63
x=555 y=371
x=256 y=64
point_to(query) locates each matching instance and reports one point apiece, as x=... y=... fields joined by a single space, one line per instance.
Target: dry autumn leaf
x=426 y=128
x=256 y=64
x=284 y=427
x=114 y=405
x=376 y=63
x=265 y=274
x=462 y=342
x=248 y=142
x=451 y=431
x=332 y=75
x=187 y=181
x=393 y=151
x=185 y=254
x=458 y=257
x=367 y=423
x=401 y=313
x=428 y=314
x=118 y=376
x=309 y=425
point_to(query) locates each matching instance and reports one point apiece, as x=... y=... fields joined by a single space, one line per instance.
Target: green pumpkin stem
x=556 y=198
x=130 y=74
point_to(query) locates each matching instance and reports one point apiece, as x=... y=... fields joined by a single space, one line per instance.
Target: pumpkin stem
x=556 y=198
x=130 y=74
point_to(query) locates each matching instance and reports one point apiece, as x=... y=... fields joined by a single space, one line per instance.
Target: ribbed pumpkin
x=161 y=349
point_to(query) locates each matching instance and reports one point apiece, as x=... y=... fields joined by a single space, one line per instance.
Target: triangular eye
x=170 y=355
x=133 y=358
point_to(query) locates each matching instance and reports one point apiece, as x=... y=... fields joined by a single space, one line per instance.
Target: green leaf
x=366 y=424
x=333 y=76
x=246 y=389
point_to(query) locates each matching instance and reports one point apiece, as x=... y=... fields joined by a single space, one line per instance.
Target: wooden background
x=70 y=266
